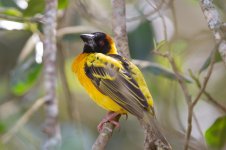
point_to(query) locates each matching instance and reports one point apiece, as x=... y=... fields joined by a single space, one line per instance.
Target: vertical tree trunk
x=119 y=27
x=51 y=126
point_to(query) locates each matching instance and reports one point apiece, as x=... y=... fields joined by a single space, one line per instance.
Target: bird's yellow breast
x=99 y=98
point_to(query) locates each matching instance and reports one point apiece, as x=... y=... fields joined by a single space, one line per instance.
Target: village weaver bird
x=116 y=84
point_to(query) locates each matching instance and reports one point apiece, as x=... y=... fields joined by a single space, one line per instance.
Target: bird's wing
x=112 y=78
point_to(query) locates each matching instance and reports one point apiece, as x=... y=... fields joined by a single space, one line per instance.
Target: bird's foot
x=110 y=117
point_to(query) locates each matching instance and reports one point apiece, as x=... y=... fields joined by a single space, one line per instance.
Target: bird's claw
x=110 y=117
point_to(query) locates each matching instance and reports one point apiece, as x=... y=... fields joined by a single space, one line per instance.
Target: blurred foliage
x=159 y=70
x=21 y=82
x=2 y=127
x=179 y=46
x=11 y=45
x=38 y=7
x=8 y=3
x=139 y=45
x=25 y=76
x=34 y=7
x=12 y=12
x=208 y=60
x=62 y=4
x=215 y=135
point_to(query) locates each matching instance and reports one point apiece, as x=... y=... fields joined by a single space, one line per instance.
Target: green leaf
x=25 y=76
x=12 y=12
x=34 y=7
x=157 y=69
x=216 y=135
x=207 y=61
x=62 y=4
x=161 y=45
x=38 y=6
x=2 y=127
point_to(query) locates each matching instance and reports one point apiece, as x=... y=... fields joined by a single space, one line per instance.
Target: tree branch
x=177 y=74
x=73 y=30
x=119 y=27
x=51 y=126
x=186 y=93
x=192 y=105
x=215 y=25
x=121 y=40
x=210 y=98
x=105 y=135
x=157 y=8
x=36 y=19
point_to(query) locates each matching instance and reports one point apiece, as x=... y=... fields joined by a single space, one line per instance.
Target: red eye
x=101 y=43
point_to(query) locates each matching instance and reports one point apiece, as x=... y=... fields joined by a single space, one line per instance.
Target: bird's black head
x=96 y=42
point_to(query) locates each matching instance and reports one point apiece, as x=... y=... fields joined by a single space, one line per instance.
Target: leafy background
x=188 y=38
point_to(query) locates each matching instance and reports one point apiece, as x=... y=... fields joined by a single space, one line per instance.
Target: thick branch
x=216 y=25
x=119 y=27
x=104 y=136
x=51 y=127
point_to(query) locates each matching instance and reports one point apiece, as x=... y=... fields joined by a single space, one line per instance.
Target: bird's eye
x=101 y=43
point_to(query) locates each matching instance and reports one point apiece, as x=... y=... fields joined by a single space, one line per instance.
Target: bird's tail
x=154 y=139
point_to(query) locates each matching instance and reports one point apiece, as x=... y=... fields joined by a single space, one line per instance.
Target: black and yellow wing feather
x=114 y=77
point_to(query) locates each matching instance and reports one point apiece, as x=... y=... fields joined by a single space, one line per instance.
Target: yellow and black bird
x=115 y=84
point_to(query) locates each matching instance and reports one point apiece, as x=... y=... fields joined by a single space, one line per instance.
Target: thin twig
x=73 y=30
x=163 y=5
x=51 y=126
x=192 y=105
x=206 y=79
x=154 y=6
x=93 y=14
x=23 y=120
x=184 y=90
x=28 y=47
x=186 y=94
x=174 y=17
x=37 y=19
x=210 y=98
x=215 y=25
x=215 y=102
x=177 y=74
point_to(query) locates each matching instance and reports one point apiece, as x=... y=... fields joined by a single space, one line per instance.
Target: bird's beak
x=87 y=37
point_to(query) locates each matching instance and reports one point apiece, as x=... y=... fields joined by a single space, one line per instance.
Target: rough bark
x=119 y=27
x=51 y=126
x=216 y=25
